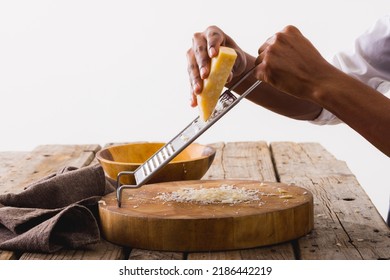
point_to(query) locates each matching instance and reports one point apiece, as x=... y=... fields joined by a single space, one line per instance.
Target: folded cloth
x=54 y=212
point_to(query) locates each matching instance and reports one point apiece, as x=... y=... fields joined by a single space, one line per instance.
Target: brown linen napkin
x=54 y=212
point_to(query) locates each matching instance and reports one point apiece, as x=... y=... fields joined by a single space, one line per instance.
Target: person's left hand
x=205 y=46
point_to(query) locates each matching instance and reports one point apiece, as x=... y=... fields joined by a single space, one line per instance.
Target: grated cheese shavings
x=226 y=194
x=286 y=196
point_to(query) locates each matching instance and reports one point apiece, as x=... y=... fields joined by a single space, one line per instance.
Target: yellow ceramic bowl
x=191 y=164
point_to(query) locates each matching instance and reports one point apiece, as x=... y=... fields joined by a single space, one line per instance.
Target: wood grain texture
x=247 y=160
x=8 y=161
x=283 y=251
x=149 y=223
x=41 y=162
x=228 y=164
x=347 y=225
x=99 y=251
x=140 y=254
x=242 y=160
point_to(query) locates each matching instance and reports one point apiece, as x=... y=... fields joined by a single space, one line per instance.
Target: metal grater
x=170 y=150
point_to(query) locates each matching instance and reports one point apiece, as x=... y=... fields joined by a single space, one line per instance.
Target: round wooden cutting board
x=281 y=213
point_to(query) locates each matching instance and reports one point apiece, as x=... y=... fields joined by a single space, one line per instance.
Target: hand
x=205 y=45
x=290 y=63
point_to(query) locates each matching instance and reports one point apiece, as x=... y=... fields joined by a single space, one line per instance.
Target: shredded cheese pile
x=226 y=194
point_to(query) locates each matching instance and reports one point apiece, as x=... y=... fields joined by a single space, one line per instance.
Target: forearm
x=275 y=100
x=359 y=106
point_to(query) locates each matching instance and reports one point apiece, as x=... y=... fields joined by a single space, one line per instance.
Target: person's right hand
x=205 y=45
x=289 y=62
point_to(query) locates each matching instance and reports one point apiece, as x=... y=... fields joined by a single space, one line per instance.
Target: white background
x=74 y=72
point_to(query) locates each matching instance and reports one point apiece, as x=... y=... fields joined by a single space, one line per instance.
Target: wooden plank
x=216 y=170
x=41 y=162
x=9 y=160
x=282 y=251
x=244 y=160
x=7 y=255
x=223 y=255
x=100 y=251
x=139 y=254
x=277 y=252
x=347 y=225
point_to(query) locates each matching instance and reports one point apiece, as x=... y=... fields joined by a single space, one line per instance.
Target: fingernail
x=202 y=72
x=192 y=100
x=196 y=88
x=212 y=52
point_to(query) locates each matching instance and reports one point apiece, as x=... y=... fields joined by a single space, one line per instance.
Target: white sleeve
x=368 y=62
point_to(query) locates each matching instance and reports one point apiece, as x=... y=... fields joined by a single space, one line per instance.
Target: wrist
x=328 y=85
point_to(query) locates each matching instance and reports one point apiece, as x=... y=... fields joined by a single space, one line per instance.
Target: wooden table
x=346 y=223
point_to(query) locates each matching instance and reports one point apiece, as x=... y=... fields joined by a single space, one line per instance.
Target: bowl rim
x=101 y=159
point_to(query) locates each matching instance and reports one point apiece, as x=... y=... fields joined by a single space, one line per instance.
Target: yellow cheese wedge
x=221 y=66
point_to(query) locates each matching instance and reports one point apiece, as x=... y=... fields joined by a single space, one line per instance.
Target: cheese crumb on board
x=280 y=190
x=287 y=196
x=225 y=194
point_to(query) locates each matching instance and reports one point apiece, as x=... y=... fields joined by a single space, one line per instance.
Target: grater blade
x=184 y=138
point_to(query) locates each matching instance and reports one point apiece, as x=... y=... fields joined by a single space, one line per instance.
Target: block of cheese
x=221 y=66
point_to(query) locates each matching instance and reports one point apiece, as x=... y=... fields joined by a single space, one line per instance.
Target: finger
x=193 y=73
x=193 y=100
x=264 y=48
x=260 y=58
x=270 y=41
x=261 y=62
x=215 y=38
x=199 y=47
x=258 y=72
